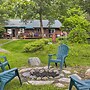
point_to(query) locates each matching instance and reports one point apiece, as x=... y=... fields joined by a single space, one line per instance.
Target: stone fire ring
x=40 y=75
x=37 y=76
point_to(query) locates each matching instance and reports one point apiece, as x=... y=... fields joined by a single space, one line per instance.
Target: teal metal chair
x=4 y=63
x=7 y=76
x=79 y=84
x=60 y=56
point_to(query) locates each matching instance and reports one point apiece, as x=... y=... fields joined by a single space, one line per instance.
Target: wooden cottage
x=15 y=28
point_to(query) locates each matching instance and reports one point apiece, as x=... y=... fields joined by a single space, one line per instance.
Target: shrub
x=78 y=35
x=1 y=31
x=34 y=46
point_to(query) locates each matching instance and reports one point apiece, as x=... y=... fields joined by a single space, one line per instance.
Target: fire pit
x=40 y=74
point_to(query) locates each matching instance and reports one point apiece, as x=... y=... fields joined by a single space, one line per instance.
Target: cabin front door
x=13 y=33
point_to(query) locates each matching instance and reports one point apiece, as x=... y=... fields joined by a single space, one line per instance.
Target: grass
x=79 y=55
x=4 y=40
x=14 y=85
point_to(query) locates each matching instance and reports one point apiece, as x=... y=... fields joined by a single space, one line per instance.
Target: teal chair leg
x=20 y=80
x=65 y=64
x=61 y=65
x=19 y=77
x=9 y=66
x=2 y=87
x=56 y=64
x=71 y=84
x=48 y=64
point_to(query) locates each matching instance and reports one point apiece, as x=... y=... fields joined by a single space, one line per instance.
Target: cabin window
x=9 y=31
x=39 y=30
x=52 y=30
x=22 y=30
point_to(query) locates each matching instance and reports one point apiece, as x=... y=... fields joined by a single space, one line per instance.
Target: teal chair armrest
x=51 y=54
x=4 y=63
x=8 y=71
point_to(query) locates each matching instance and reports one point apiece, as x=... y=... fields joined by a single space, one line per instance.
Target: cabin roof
x=17 y=23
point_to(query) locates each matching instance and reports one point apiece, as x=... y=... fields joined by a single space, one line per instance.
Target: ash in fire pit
x=41 y=74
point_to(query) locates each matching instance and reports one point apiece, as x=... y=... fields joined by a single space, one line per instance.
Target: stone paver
x=59 y=85
x=87 y=73
x=64 y=80
x=40 y=82
x=3 y=50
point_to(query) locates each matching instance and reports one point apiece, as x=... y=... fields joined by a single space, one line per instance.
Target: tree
x=33 y=9
x=62 y=7
x=76 y=16
x=78 y=35
x=77 y=25
x=85 y=4
x=3 y=17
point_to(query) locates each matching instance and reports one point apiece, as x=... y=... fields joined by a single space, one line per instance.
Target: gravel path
x=3 y=50
x=6 y=43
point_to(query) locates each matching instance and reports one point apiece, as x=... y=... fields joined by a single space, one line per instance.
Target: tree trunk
x=41 y=25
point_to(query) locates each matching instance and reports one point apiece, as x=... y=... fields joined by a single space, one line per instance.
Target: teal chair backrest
x=62 y=51
x=4 y=63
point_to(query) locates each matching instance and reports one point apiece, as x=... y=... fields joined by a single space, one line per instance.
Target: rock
x=64 y=80
x=25 y=69
x=76 y=72
x=46 y=70
x=56 y=71
x=34 y=61
x=50 y=77
x=37 y=70
x=66 y=72
x=40 y=82
x=57 y=77
x=26 y=74
x=42 y=70
x=33 y=77
x=61 y=75
x=87 y=73
x=32 y=71
x=50 y=70
x=46 y=67
x=59 y=85
x=45 y=78
x=38 y=78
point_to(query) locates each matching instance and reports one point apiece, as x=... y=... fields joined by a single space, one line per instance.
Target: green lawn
x=79 y=55
x=4 y=40
x=14 y=85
